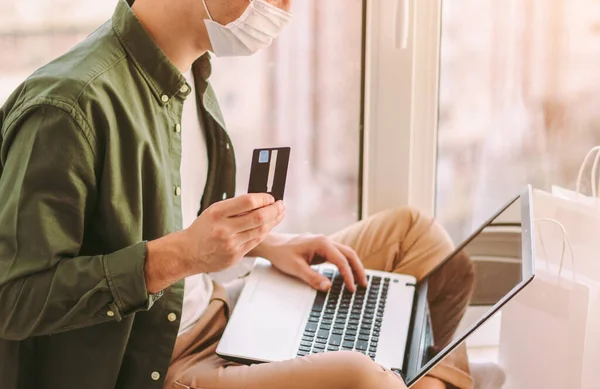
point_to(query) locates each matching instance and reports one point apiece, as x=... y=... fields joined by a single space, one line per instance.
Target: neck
x=171 y=32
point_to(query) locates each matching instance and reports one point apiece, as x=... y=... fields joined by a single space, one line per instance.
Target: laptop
x=278 y=317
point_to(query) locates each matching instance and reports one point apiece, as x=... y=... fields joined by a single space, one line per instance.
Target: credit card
x=269 y=171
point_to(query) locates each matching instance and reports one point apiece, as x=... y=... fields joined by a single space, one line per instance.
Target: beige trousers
x=400 y=241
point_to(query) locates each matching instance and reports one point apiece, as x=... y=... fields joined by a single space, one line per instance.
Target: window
x=304 y=92
x=518 y=102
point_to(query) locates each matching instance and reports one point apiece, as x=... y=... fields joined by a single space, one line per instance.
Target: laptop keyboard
x=341 y=320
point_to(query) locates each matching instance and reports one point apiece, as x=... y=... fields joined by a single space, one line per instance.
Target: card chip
x=263 y=157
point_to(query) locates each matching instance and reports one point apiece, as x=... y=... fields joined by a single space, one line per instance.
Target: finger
x=335 y=256
x=245 y=203
x=313 y=278
x=257 y=218
x=259 y=232
x=355 y=263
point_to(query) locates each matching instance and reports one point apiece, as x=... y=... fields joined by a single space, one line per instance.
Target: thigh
x=343 y=370
x=400 y=240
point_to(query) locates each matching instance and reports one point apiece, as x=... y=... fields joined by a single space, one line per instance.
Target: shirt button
x=155 y=375
x=110 y=313
x=225 y=196
x=184 y=89
x=178 y=128
x=172 y=317
x=164 y=98
x=177 y=191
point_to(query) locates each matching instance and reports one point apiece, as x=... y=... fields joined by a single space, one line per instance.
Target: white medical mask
x=254 y=30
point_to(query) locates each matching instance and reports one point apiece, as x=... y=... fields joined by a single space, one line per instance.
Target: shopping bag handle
x=595 y=188
x=566 y=241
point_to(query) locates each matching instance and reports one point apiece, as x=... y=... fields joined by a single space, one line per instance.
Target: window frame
x=401 y=91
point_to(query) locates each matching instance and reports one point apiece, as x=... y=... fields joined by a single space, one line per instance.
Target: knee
x=461 y=267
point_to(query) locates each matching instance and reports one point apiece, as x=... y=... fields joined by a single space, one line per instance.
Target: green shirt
x=90 y=150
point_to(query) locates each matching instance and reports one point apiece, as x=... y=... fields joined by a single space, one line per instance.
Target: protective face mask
x=253 y=31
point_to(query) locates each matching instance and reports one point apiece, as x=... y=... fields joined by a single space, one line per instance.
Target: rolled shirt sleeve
x=48 y=188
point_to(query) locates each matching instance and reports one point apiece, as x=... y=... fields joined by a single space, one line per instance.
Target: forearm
x=263 y=249
x=60 y=294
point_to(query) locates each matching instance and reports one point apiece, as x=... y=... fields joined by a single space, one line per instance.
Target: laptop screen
x=501 y=255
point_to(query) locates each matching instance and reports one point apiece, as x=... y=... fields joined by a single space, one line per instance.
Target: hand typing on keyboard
x=295 y=255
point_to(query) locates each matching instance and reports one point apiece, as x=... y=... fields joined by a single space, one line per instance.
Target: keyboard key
x=321 y=341
x=318 y=350
x=372 y=349
x=328 y=316
x=353 y=327
x=351 y=332
x=337 y=332
x=372 y=355
x=335 y=340
x=363 y=337
x=326 y=321
x=318 y=346
x=325 y=327
x=365 y=333
x=302 y=353
x=313 y=319
x=368 y=316
x=319 y=301
x=350 y=338
x=375 y=339
x=307 y=338
x=348 y=345
x=374 y=344
x=353 y=321
x=387 y=279
x=333 y=348
x=338 y=326
x=311 y=327
x=323 y=334
x=304 y=348
x=306 y=344
x=361 y=345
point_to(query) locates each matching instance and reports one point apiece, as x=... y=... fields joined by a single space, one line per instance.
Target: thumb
x=315 y=279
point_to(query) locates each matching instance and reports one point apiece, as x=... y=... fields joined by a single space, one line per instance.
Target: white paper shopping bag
x=577 y=195
x=581 y=223
x=544 y=328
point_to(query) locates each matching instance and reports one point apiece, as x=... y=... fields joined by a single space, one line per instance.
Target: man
x=101 y=286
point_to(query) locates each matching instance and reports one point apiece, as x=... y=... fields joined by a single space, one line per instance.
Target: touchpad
x=270 y=316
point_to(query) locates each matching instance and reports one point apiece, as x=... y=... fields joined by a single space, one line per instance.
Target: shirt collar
x=164 y=79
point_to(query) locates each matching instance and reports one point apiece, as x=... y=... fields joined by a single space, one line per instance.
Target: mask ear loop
x=595 y=188
x=207 y=11
x=566 y=239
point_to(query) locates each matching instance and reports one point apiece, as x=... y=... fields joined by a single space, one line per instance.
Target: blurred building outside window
x=519 y=98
